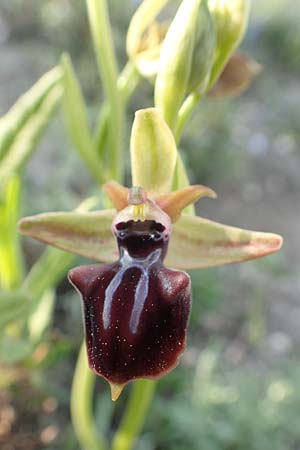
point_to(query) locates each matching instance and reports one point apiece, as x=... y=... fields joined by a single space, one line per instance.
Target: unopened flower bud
x=230 y=18
x=203 y=52
x=186 y=57
x=146 y=38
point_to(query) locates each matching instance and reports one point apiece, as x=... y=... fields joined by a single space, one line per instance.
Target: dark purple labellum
x=135 y=310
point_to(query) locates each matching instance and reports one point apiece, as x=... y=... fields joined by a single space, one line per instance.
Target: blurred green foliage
x=232 y=411
x=215 y=409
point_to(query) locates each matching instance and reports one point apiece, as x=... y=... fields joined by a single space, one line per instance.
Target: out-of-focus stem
x=135 y=415
x=11 y=261
x=185 y=113
x=128 y=81
x=81 y=405
x=104 y=48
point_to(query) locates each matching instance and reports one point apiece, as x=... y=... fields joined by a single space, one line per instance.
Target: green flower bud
x=230 y=18
x=146 y=37
x=204 y=48
x=176 y=61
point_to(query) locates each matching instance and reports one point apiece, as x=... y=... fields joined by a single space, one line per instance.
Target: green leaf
x=85 y=234
x=14 y=350
x=196 y=243
x=48 y=270
x=14 y=305
x=26 y=106
x=153 y=152
x=77 y=120
x=57 y=352
x=39 y=321
x=27 y=138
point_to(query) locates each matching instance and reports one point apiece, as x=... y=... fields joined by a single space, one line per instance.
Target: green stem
x=11 y=264
x=185 y=112
x=103 y=44
x=117 y=92
x=128 y=81
x=11 y=260
x=135 y=415
x=81 y=405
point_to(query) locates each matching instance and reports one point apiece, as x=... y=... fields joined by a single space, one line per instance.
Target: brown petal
x=236 y=77
x=117 y=194
x=174 y=202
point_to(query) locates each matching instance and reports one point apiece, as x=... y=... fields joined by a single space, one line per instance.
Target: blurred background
x=238 y=384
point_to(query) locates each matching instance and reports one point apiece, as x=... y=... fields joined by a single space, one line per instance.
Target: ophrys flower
x=135 y=308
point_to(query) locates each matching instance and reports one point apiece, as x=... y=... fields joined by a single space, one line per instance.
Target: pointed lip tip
x=116 y=390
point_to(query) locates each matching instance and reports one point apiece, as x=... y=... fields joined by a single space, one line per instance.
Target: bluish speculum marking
x=142 y=288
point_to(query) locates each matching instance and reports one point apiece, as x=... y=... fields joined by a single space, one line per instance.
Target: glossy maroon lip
x=135 y=310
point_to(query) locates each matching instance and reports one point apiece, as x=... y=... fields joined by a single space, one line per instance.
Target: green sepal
x=85 y=234
x=197 y=243
x=153 y=153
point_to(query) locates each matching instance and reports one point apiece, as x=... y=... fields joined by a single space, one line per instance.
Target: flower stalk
x=82 y=407
x=105 y=55
x=135 y=414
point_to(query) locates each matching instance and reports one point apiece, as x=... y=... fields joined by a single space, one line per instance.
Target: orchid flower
x=136 y=303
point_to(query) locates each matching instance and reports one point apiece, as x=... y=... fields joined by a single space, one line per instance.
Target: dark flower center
x=141 y=238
